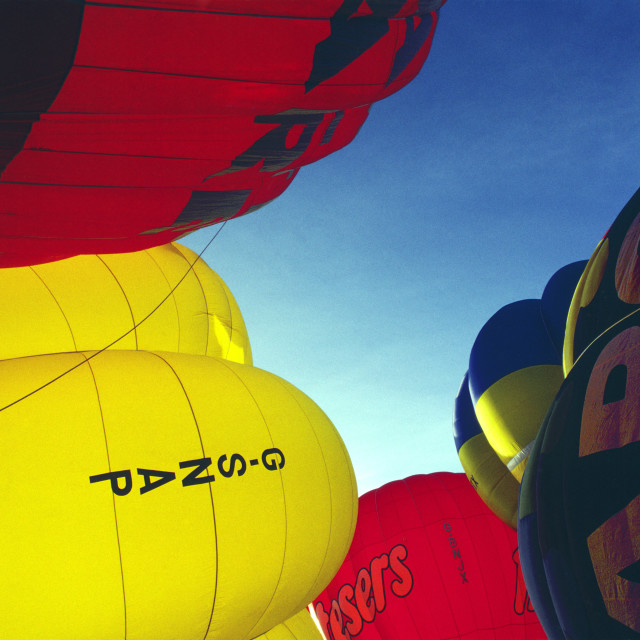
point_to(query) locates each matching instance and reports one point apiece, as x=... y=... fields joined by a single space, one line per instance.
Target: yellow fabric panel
x=87 y=302
x=343 y=512
x=583 y=295
x=146 y=278
x=229 y=334
x=318 y=458
x=491 y=479
x=30 y=307
x=81 y=562
x=283 y=508
x=60 y=564
x=511 y=410
x=518 y=470
x=166 y=536
x=91 y=300
x=298 y=627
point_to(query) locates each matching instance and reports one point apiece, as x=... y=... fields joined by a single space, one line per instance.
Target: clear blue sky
x=508 y=157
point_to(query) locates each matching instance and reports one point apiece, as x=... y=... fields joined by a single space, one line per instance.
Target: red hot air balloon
x=428 y=561
x=127 y=124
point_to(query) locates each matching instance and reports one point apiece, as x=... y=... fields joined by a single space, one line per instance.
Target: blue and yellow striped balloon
x=515 y=370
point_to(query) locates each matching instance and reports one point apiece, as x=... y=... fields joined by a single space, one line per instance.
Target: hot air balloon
x=152 y=490
x=515 y=370
x=428 y=561
x=125 y=125
x=579 y=513
x=162 y=298
x=609 y=289
x=487 y=473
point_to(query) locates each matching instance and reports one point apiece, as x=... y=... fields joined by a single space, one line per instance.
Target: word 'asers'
x=359 y=603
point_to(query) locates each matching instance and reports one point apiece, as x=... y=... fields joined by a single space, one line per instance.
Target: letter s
x=337 y=624
x=349 y=609
x=235 y=457
x=403 y=585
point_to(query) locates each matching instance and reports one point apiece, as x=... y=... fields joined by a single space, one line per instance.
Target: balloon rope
x=126 y=333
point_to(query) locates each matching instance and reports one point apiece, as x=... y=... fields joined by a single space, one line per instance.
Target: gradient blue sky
x=508 y=157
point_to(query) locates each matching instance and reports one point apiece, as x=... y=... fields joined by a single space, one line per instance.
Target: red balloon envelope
x=429 y=560
x=126 y=124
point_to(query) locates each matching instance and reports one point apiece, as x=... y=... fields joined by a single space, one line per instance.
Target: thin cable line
x=133 y=328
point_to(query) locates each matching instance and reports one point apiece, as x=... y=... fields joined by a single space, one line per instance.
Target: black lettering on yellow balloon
x=194 y=477
x=162 y=478
x=270 y=462
x=236 y=458
x=114 y=477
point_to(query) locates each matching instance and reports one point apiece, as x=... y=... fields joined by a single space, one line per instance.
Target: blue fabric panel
x=514 y=338
x=556 y=300
x=465 y=423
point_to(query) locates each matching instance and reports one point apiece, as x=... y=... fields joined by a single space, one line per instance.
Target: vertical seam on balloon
x=435 y=478
x=472 y=551
x=460 y=519
x=113 y=496
x=416 y=626
x=354 y=492
x=306 y=599
x=73 y=339
x=172 y=290
x=225 y=363
x=213 y=508
x=126 y=299
x=192 y=268
x=547 y=332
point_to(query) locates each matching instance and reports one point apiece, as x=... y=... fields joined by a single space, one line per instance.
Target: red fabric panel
x=168 y=101
x=454 y=574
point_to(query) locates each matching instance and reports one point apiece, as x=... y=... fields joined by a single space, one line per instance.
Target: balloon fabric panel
x=514 y=373
x=429 y=561
x=610 y=287
x=298 y=627
x=489 y=476
x=88 y=302
x=579 y=505
x=137 y=433
x=218 y=469
x=556 y=300
x=121 y=133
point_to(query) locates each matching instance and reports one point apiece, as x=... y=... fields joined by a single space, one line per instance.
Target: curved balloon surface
x=515 y=370
x=298 y=627
x=164 y=496
x=579 y=513
x=153 y=299
x=609 y=289
x=155 y=491
x=487 y=473
x=127 y=124
x=428 y=561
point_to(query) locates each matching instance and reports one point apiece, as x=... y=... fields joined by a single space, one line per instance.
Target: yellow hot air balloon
x=156 y=495
x=88 y=302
